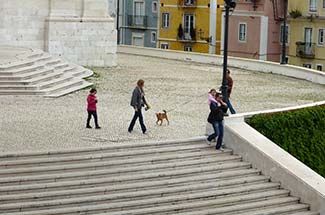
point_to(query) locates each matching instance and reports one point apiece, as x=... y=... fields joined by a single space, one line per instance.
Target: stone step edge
x=220 y=190
x=97 y=164
x=173 y=200
x=221 y=210
x=101 y=148
x=89 y=173
x=245 y=173
x=283 y=210
x=105 y=156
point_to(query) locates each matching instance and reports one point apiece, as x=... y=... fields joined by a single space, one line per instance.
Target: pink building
x=255 y=30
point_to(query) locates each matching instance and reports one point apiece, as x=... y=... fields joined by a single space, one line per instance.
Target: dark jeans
x=137 y=114
x=218 y=132
x=94 y=113
x=231 y=109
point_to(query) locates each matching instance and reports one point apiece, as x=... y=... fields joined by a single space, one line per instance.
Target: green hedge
x=300 y=132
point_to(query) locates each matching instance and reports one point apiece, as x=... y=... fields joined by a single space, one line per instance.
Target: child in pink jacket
x=91 y=108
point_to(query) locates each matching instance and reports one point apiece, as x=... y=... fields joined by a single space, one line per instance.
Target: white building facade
x=80 y=31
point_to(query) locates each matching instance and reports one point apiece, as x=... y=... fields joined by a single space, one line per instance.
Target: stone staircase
x=188 y=178
x=39 y=73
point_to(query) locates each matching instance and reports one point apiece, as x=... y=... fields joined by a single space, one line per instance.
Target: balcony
x=189 y=35
x=187 y=3
x=137 y=21
x=305 y=50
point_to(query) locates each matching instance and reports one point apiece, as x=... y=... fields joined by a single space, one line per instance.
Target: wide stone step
x=226 y=178
x=293 y=209
x=101 y=208
x=115 y=150
x=110 y=196
x=106 y=156
x=70 y=89
x=32 y=81
x=213 y=160
x=28 y=75
x=19 y=71
x=55 y=82
x=167 y=203
x=113 y=172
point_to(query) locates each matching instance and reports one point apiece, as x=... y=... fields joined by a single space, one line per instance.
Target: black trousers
x=137 y=114
x=94 y=113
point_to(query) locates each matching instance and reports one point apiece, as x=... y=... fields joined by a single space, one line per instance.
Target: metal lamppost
x=284 y=32
x=118 y=21
x=228 y=4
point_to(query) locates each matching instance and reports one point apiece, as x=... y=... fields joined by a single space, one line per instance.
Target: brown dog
x=161 y=117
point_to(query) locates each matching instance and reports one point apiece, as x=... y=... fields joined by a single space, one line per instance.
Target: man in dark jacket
x=137 y=102
x=217 y=111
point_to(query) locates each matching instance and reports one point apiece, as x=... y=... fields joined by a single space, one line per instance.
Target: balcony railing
x=186 y=36
x=137 y=21
x=305 y=50
x=187 y=3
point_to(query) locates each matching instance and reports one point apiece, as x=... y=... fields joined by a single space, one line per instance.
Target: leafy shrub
x=299 y=132
x=295 y=13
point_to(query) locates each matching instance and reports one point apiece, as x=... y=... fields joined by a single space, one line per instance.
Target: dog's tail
x=164 y=111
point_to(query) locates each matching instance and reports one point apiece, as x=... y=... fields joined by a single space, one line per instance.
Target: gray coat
x=138 y=99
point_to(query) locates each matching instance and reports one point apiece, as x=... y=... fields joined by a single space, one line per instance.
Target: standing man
x=137 y=102
x=229 y=89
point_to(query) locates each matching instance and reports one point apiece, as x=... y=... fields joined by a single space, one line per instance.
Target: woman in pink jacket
x=91 y=108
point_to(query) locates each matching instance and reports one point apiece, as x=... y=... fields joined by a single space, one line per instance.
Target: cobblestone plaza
x=37 y=123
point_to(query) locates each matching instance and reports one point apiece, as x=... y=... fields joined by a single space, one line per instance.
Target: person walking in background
x=217 y=111
x=92 y=108
x=137 y=102
x=229 y=89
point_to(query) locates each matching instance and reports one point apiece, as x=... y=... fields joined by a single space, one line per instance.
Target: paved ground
x=36 y=123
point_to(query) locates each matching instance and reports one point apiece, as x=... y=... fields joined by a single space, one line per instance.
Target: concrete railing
x=249 y=143
x=275 y=162
x=240 y=63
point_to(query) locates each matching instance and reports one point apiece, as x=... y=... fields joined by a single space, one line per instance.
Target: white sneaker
x=208 y=142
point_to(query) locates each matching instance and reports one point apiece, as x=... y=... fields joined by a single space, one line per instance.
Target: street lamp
x=284 y=32
x=228 y=4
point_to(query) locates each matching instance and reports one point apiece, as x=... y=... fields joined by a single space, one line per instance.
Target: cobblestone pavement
x=37 y=123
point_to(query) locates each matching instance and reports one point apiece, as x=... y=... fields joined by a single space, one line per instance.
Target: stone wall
x=80 y=31
x=22 y=23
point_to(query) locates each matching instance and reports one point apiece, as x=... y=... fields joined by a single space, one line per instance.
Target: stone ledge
x=275 y=162
x=78 y=19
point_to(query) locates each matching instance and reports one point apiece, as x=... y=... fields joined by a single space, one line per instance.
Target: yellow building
x=190 y=25
x=307 y=28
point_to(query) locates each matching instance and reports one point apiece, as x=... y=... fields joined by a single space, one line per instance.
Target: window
x=139 y=12
x=165 y=20
x=164 y=46
x=320 y=37
x=153 y=36
x=307 y=65
x=287 y=34
x=319 y=67
x=323 y=4
x=189 y=31
x=137 y=39
x=154 y=7
x=242 y=32
x=188 y=48
x=312 y=5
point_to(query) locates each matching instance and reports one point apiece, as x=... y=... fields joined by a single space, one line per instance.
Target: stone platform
x=35 y=123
